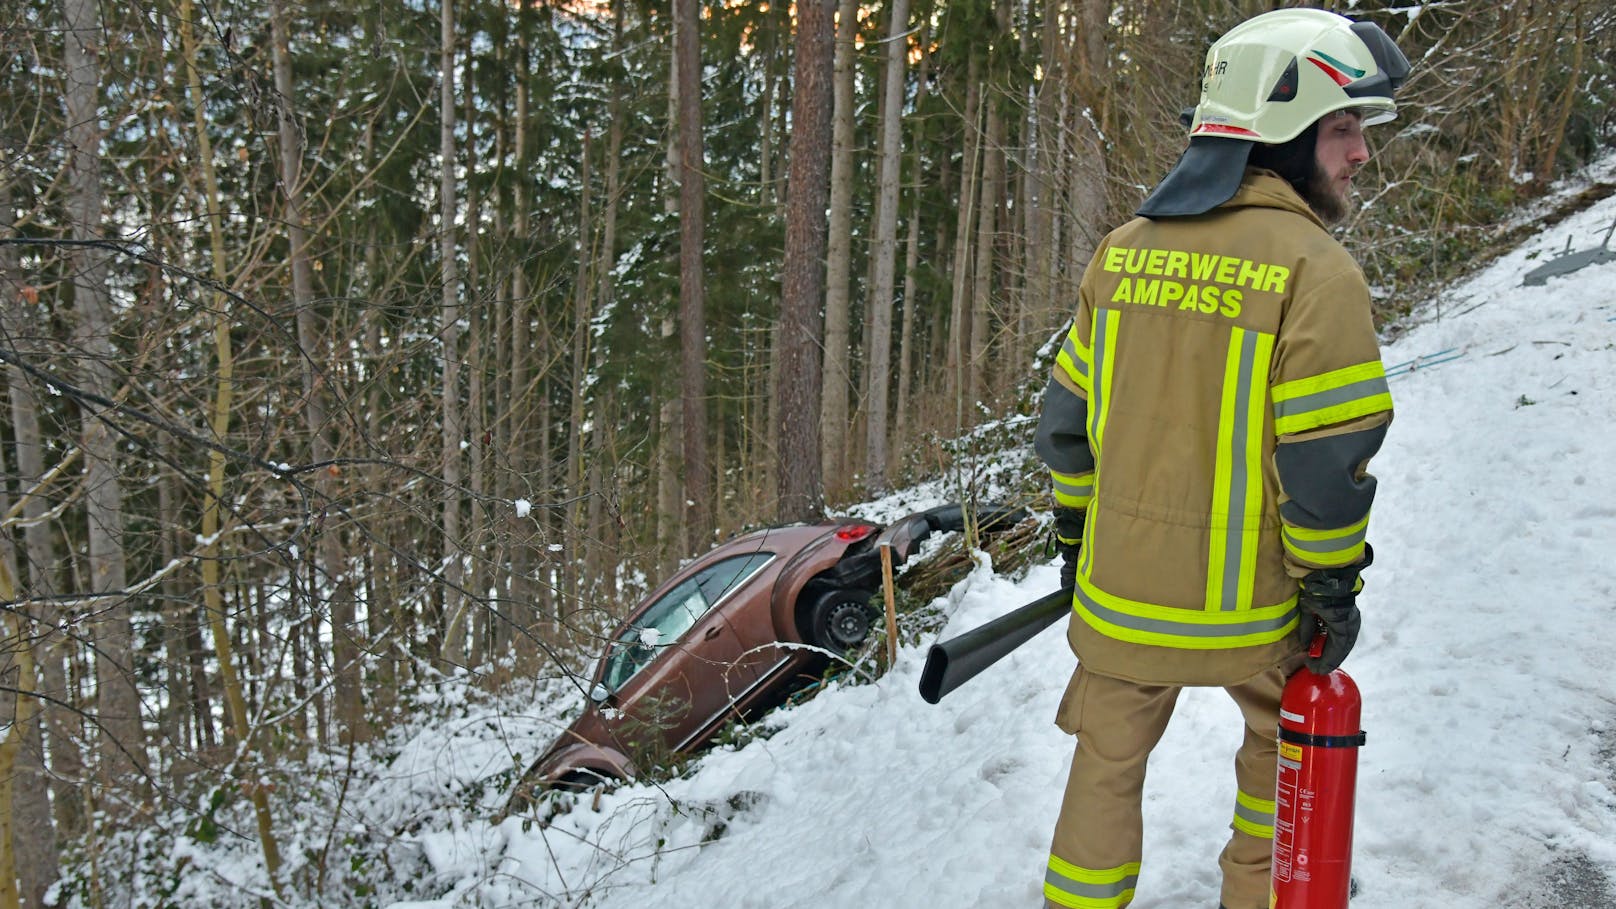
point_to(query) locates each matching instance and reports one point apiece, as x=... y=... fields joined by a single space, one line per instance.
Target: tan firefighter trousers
x=1094 y=860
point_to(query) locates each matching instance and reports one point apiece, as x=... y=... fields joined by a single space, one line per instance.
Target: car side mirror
x=598 y=694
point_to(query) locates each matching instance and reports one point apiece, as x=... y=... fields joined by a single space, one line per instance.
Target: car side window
x=674 y=614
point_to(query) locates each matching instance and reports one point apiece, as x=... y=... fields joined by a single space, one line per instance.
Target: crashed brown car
x=731 y=634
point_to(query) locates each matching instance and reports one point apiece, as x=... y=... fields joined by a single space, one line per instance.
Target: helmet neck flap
x=1296 y=161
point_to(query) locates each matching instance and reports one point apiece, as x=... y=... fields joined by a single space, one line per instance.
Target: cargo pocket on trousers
x=1069 y=716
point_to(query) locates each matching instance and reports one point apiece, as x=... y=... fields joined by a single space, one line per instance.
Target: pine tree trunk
x=63 y=729
x=692 y=312
x=12 y=705
x=878 y=347
x=835 y=439
x=27 y=837
x=28 y=854
x=36 y=850
x=454 y=604
x=174 y=720
x=382 y=612
x=117 y=701
x=991 y=188
x=477 y=455
x=769 y=43
x=669 y=512
x=500 y=476
x=670 y=515
x=36 y=853
x=476 y=620
x=911 y=260
x=801 y=490
x=959 y=323
x=1087 y=173
x=1038 y=302
x=573 y=562
x=326 y=564
x=1018 y=206
x=600 y=558
x=519 y=405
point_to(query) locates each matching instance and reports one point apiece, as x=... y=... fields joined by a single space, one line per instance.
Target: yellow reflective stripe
x=1332 y=547
x=1184 y=629
x=1332 y=397
x=1074 y=359
x=1066 y=884
x=1237 y=485
x=1073 y=489
x=1328 y=381
x=1081 y=875
x=1084 y=560
x=1260 y=831
x=1254 y=816
x=1106 y=322
x=1262 y=806
x=1104 y=325
x=1348 y=556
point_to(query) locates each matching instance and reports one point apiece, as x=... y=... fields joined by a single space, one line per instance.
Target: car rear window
x=718 y=580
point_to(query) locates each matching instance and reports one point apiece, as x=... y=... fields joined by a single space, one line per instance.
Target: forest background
x=346 y=347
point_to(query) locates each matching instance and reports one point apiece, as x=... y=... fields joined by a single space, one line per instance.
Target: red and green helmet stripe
x=1342 y=73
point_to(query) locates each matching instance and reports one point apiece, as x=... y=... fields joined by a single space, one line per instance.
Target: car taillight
x=852 y=533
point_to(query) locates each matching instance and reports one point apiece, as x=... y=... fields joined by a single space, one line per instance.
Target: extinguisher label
x=1287 y=811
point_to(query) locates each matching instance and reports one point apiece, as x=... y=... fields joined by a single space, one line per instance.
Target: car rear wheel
x=841 y=620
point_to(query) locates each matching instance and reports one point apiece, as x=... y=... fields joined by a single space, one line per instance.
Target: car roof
x=781 y=537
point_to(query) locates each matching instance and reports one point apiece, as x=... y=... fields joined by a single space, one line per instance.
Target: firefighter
x=1208 y=425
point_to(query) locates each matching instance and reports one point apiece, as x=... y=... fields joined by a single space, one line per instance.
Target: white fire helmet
x=1267 y=80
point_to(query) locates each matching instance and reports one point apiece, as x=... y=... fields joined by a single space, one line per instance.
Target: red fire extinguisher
x=1319 y=739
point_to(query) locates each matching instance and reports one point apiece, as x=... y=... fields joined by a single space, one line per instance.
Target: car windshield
x=674 y=613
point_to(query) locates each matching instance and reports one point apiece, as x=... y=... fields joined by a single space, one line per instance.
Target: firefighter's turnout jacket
x=1213 y=410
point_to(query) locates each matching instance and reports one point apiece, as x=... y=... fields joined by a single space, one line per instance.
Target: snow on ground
x=1486 y=665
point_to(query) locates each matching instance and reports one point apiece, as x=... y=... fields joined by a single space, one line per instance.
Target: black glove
x=1329 y=605
x=1068 y=541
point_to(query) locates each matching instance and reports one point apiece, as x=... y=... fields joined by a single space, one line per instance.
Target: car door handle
x=712 y=633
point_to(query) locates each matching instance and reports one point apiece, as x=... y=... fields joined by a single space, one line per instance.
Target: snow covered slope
x=1486 y=663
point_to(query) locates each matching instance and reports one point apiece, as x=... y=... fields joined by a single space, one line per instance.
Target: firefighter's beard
x=1329 y=203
